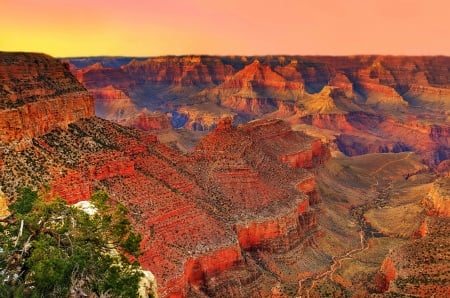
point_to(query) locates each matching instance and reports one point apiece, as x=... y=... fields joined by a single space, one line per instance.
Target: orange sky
x=220 y=27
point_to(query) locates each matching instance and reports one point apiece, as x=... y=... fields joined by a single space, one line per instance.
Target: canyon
x=298 y=176
x=371 y=104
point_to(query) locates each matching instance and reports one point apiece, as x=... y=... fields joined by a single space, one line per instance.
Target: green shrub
x=62 y=248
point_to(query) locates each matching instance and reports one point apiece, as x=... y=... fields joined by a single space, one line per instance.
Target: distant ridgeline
x=369 y=103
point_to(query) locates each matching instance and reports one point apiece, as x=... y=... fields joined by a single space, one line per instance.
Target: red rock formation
x=444 y=168
x=388 y=268
x=183 y=71
x=381 y=95
x=199 y=270
x=342 y=84
x=204 y=118
x=418 y=268
x=113 y=104
x=423 y=229
x=384 y=277
x=293 y=87
x=274 y=235
x=255 y=89
x=72 y=187
x=146 y=120
x=96 y=77
x=329 y=121
x=212 y=219
x=438 y=200
x=30 y=104
x=37 y=118
x=102 y=170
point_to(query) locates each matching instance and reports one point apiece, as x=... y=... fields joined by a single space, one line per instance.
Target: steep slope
x=256 y=90
x=38 y=94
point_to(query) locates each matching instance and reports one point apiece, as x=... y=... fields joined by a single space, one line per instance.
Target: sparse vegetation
x=50 y=249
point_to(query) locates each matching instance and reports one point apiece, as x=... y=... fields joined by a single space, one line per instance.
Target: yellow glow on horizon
x=65 y=28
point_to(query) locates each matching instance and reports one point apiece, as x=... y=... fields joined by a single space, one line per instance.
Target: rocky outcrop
x=146 y=120
x=113 y=104
x=309 y=158
x=418 y=268
x=381 y=96
x=279 y=234
x=20 y=123
x=199 y=271
x=37 y=95
x=438 y=200
x=357 y=133
x=182 y=71
x=329 y=121
x=342 y=85
x=353 y=145
x=234 y=217
x=385 y=275
x=256 y=89
x=202 y=118
x=427 y=97
x=4 y=211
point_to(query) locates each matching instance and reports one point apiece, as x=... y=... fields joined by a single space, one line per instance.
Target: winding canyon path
x=338 y=260
x=337 y=263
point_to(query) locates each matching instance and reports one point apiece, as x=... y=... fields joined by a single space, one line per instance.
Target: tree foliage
x=51 y=249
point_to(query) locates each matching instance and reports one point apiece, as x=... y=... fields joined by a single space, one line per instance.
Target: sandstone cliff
x=438 y=200
x=38 y=94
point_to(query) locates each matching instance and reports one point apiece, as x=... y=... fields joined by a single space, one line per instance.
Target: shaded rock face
x=38 y=94
x=359 y=133
x=203 y=215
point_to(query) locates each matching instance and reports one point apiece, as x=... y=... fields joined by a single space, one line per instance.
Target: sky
x=64 y=28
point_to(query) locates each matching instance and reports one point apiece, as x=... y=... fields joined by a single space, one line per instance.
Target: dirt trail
x=391 y=162
x=338 y=260
x=337 y=263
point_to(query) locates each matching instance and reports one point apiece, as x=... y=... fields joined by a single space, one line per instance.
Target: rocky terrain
x=220 y=221
x=371 y=104
x=338 y=186
x=38 y=94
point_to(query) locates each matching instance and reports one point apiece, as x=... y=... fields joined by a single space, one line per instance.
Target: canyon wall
x=38 y=94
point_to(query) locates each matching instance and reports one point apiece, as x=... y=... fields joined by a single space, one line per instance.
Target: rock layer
x=38 y=94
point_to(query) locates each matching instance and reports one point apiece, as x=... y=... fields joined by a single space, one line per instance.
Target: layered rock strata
x=38 y=94
x=408 y=97
x=203 y=216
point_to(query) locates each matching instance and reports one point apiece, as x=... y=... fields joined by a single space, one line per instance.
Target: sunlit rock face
x=38 y=94
x=438 y=200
